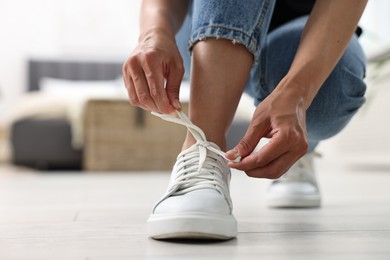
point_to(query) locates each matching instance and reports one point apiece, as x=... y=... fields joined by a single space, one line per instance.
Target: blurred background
x=63 y=104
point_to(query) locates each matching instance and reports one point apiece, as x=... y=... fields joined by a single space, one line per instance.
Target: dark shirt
x=287 y=10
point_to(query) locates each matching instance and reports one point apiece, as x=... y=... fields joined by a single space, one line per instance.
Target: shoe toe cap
x=198 y=201
x=297 y=188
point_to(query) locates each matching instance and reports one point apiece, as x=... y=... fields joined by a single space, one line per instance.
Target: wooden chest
x=119 y=137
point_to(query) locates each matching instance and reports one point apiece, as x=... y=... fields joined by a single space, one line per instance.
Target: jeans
x=247 y=22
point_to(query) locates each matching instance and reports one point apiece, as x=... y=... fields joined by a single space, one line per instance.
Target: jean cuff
x=224 y=32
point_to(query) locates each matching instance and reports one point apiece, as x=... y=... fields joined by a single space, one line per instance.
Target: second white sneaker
x=297 y=188
x=197 y=203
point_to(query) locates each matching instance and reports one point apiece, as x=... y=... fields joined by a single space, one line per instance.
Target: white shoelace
x=198 y=133
x=302 y=171
x=189 y=175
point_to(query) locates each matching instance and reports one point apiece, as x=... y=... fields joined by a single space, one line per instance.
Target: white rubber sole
x=293 y=201
x=192 y=226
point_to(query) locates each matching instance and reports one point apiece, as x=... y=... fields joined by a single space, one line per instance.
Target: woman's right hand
x=153 y=73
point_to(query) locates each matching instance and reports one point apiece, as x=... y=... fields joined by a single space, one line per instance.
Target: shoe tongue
x=195 y=148
x=213 y=145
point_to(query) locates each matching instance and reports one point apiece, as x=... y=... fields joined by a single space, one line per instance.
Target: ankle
x=189 y=141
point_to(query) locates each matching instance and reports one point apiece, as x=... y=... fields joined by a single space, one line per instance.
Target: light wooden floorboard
x=102 y=216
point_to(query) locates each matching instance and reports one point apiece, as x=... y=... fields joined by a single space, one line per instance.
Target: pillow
x=74 y=89
x=62 y=87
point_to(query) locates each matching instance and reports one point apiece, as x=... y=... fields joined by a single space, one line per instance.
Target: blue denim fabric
x=339 y=98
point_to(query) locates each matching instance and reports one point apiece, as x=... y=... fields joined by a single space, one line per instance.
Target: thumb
x=173 y=87
x=248 y=143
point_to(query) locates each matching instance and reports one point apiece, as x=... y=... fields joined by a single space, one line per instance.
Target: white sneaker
x=197 y=203
x=297 y=188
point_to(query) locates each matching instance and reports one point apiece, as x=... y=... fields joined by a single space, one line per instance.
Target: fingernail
x=233 y=153
x=177 y=104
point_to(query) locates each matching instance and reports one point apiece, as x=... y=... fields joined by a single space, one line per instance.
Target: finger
x=174 y=79
x=129 y=86
x=276 y=168
x=278 y=145
x=272 y=150
x=155 y=78
x=132 y=94
x=141 y=86
x=248 y=143
x=126 y=75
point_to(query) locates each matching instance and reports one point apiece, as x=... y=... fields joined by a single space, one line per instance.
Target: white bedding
x=66 y=99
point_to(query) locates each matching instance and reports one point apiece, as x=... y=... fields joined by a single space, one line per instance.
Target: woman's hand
x=153 y=73
x=280 y=117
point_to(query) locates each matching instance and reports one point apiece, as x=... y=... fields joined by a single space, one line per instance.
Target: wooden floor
x=102 y=216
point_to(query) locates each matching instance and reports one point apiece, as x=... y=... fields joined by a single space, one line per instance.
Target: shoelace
x=298 y=172
x=301 y=171
x=198 y=133
x=189 y=176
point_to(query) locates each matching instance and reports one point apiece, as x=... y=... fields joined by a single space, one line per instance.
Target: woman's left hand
x=282 y=118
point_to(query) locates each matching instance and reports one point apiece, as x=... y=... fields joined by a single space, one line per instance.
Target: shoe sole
x=306 y=201
x=192 y=226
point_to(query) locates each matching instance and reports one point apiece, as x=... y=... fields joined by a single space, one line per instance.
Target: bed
x=46 y=142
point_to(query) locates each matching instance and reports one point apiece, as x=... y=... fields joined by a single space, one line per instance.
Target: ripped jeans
x=246 y=22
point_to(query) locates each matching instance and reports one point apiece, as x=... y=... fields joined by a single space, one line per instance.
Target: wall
x=53 y=28
x=376 y=21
